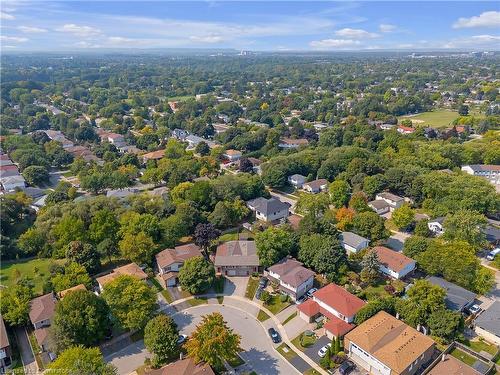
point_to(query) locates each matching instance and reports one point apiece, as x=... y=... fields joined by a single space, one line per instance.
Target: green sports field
x=439 y=119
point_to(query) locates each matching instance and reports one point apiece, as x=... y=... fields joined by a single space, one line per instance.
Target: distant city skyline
x=255 y=26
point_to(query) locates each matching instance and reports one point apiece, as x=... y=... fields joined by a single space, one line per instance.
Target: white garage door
x=231 y=272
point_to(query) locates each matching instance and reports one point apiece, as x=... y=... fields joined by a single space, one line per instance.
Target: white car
x=181 y=339
x=474 y=309
x=324 y=349
x=311 y=291
x=493 y=253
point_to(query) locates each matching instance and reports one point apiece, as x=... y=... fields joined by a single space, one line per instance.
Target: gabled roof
x=268 y=206
x=155 y=155
x=456 y=297
x=378 y=204
x=316 y=184
x=64 y=292
x=42 y=308
x=291 y=271
x=179 y=254
x=237 y=253
x=232 y=152
x=339 y=299
x=352 y=239
x=484 y=167
x=130 y=269
x=449 y=365
x=390 y=196
x=391 y=259
x=392 y=342
x=183 y=367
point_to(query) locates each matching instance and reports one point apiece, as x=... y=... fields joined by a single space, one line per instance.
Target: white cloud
x=386 y=28
x=15 y=39
x=486 y=19
x=84 y=31
x=206 y=39
x=85 y=44
x=474 y=42
x=6 y=16
x=31 y=29
x=334 y=43
x=355 y=34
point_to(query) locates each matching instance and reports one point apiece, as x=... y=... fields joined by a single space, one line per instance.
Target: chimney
x=418 y=327
x=443 y=357
x=180 y=356
x=397 y=316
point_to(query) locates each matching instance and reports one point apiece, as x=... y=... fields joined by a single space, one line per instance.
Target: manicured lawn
x=275 y=305
x=165 y=293
x=262 y=316
x=253 y=284
x=36 y=269
x=375 y=291
x=302 y=341
x=462 y=356
x=290 y=318
x=439 y=118
x=479 y=346
x=311 y=371
x=197 y=301
x=288 y=354
x=179 y=98
x=220 y=299
x=234 y=235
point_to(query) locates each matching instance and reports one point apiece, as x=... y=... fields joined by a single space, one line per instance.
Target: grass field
x=439 y=119
x=37 y=269
x=462 y=356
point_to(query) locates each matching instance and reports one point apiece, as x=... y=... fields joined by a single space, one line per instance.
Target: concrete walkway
x=275 y=320
x=27 y=357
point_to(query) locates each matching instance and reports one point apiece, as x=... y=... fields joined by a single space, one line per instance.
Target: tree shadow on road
x=183 y=319
x=260 y=362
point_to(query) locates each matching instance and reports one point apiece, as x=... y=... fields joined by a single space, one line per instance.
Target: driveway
x=27 y=357
x=235 y=286
x=397 y=240
x=285 y=198
x=130 y=358
x=312 y=351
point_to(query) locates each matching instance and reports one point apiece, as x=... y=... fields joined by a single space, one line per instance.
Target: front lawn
x=275 y=304
x=166 y=294
x=303 y=341
x=311 y=371
x=197 y=301
x=286 y=352
x=36 y=269
x=290 y=318
x=262 y=316
x=462 y=356
x=253 y=284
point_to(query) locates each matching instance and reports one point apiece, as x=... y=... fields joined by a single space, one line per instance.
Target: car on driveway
x=346 y=367
x=301 y=300
x=275 y=336
x=181 y=339
x=258 y=293
x=474 y=309
x=263 y=282
x=311 y=291
x=324 y=349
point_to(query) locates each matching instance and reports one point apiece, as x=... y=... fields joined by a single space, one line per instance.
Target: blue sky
x=256 y=25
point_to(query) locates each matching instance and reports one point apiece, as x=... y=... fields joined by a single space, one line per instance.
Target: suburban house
x=379 y=206
x=393 y=263
x=293 y=278
x=232 y=155
x=130 y=269
x=436 y=226
x=271 y=209
x=405 y=129
x=487 y=324
x=336 y=305
x=186 y=366
x=9 y=170
x=5 y=350
x=179 y=134
x=170 y=261
x=394 y=201
x=155 y=155
x=42 y=310
x=489 y=172
x=296 y=180
x=353 y=242
x=315 y=186
x=451 y=366
x=5 y=160
x=386 y=345
x=288 y=143
x=65 y=292
x=13 y=182
x=194 y=140
x=236 y=258
x=255 y=164
x=457 y=298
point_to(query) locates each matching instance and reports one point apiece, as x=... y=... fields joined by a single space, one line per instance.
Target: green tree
x=359 y=202
x=132 y=302
x=465 y=225
x=16 y=300
x=84 y=254
x=446 y=324
x=138 y=248
x=371 y=267
x=403 y=216
x=104 y=225
x=196 y=275
x=370 y=225
x=324 y=254
x=73 y=274
x=213 y=341
x=36 y=175
x=202 y=149
x=32 y=242
x=273 y=244
x=387 y=304
x=313 y=204
x=160 y=338
x=414 y=246
x=81 y=318
x=339 y=193
x=81 y=361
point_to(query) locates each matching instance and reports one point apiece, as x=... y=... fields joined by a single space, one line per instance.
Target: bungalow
x=487 y=324
x=386 y=345
x=294 y=279
x=436 y=225
x=316 y=186
x=64 y=292
x=186 y=366
x=232 y=155
x=405 y=129
x=353 y=242
x=271 y=209
x=42 y=310
x=155 y=155
x=457 y=298
x=489 y=172
x=130 y=269
x=5 y=349
x=170 y=261
x=296 y=180
x=237 y=258
x=288 y=143
x=394 y=264
x=334 y=303
x=12 y=183
x=394 y=201
x=379 y=206
x=9 y=171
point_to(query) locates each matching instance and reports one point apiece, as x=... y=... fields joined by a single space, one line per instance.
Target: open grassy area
x=375 y=291
x=234 y=235
x=302 y=341
x=286 y=351
x=253 y=284
x=36 y=269
x=290 y=318
x=165 y=293
x=197 y=301
x=439 y=118
x=462 y=356
x=480 y=345
x=262 y=316
x=275 y=305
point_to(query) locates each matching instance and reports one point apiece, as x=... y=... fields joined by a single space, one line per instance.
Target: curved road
x=258 y=354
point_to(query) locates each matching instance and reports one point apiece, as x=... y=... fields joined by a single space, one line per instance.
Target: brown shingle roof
x=452 y=366
x=41 y=335
x=42 y=308
x=292 y=272
x=392 y=259
x=237 y=253
x=391 y=341
x=4 y=339
x=177 y=255
x=155 y=155
x=62 y=293
x=130 y=269
x=183 y=367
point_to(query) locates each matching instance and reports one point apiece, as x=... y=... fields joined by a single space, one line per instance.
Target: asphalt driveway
x=235 y=286
x=312 y=351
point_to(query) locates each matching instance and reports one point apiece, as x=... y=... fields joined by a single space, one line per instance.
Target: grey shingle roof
x=352 y=239
x=268 y=206
x=456 y=296
x=489 y=320
x=237 y=253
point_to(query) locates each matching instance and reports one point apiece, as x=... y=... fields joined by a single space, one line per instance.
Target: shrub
x=325 y=362
x=284 y=298
x=338 y=359
x=389 y=289
x=265 y=297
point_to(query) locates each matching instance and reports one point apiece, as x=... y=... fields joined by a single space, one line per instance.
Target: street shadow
x=229 y=287
x=114 y=352
x=183 y=319
x=261 y=362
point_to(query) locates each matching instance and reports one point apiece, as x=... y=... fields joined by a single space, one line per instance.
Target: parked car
x=181 y=339
x=324 y=349
x=311 y=291
x=263 y=282
x=275 y=336
x=474 y=309
x=346 y=367
x=493 y=253
x=258 y=293
x=301 y=300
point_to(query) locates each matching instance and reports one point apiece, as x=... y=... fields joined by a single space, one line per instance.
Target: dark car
x=263 y=282
x=258 y=293
x=275 y=336
x=346 y=367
